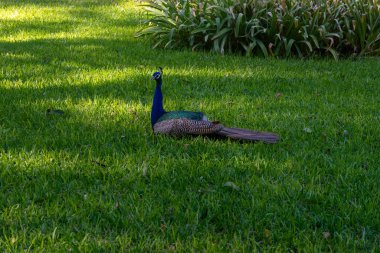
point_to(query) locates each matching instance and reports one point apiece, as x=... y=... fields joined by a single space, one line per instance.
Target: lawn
x=96 y=179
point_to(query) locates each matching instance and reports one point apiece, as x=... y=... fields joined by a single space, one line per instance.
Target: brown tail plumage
x=245 y=134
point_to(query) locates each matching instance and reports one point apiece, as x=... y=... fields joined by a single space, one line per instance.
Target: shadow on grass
x=107 y=202
x=12 y=27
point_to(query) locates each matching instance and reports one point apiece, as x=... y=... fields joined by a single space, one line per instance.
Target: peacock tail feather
x=182 y=126
x=181 y=115
x=248 y=135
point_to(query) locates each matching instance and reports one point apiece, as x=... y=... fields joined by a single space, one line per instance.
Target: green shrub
x=271 y=28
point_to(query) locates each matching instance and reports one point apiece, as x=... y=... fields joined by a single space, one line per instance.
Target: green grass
x=97 y=179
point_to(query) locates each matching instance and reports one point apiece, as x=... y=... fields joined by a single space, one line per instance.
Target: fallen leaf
x=144 y=169
x=172 y=247
x=270 y=46
x=133 y=112
x=13 y=240
x=307 y=130
x=326 y=234
x=363 y=234
x=99 y=163
x=54 y=112
x=266 y=232
x=232 y=185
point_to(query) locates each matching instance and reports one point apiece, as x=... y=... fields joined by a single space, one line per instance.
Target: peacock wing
x=180 y=127
x=181 y=115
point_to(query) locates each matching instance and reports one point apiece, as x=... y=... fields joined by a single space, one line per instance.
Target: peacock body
x=180 y=123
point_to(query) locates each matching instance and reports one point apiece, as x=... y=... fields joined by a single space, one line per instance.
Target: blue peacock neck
x=157 y=107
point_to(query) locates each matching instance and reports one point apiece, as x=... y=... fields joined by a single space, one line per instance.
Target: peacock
x=181 y=123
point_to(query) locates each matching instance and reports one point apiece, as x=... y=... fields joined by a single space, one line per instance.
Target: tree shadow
x=12 y=27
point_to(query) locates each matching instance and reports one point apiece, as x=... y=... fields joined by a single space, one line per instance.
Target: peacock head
x=157 y=75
